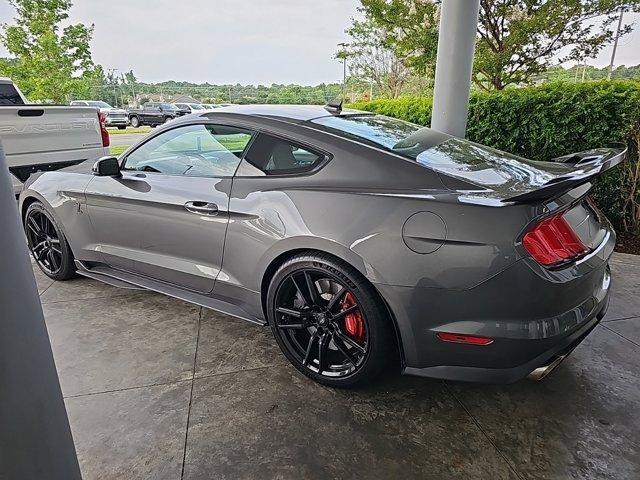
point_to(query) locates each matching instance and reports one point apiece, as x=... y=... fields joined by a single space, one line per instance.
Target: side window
x=275 y=156
x=192 y=150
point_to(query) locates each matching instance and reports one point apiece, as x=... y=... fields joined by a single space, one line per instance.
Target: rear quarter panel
x=356 y=207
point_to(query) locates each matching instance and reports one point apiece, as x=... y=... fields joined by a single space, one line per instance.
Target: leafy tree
x=372 y=61
x=49 y=63
x=519 y=39
x=409 y=28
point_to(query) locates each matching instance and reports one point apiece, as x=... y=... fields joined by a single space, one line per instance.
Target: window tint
x=9 y=95
x=275 y=156
x=193 y=150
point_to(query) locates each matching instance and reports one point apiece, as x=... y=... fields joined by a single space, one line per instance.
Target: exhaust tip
x=541 y=372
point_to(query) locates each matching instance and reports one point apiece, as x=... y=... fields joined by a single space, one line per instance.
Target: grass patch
x=128 y=130
x=118 y=149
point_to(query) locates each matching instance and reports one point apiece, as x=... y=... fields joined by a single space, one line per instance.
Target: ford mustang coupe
x=366 y=243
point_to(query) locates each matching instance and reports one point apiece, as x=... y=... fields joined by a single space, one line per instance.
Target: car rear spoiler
x=590 y=164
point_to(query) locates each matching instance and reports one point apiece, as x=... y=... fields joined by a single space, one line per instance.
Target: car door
x=149 y=113
x=166 y=217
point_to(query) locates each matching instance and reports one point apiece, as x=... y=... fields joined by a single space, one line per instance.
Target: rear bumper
x=537 y=367
x=532 y=314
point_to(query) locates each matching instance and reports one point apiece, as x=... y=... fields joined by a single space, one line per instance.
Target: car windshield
x=99 y=104
x=167 y=106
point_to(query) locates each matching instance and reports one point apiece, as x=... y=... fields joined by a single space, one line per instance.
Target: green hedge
x=552 y=120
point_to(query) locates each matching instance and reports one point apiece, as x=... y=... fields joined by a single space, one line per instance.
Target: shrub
x=552 y=120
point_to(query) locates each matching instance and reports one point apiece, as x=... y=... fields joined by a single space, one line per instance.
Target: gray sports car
x=366 y=243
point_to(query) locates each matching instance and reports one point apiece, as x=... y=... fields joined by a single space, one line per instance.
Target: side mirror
x=107 y=167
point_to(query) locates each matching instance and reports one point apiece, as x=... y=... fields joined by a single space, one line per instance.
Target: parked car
x=183 y=109
x=46 y=137
x=114 y=117
x=152 y=114
x=209 y=106
x=365 y=242
x=188 y=108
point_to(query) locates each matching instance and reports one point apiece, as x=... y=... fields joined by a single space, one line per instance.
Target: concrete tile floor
x=159 y=389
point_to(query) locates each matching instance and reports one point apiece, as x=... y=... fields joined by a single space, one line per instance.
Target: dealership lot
x=158 y=388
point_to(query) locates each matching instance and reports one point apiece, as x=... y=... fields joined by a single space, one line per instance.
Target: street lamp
x=343 y=54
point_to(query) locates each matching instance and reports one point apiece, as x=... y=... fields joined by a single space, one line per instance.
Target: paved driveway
x=125 y=139
x=160 y=389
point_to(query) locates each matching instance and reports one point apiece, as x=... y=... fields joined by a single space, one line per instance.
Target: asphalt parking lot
x=157 y=388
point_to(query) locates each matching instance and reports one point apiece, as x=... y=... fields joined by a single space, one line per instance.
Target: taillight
x=102 y=119
x=553 y=241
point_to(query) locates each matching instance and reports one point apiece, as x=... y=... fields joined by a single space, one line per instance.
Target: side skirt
x=122 y=279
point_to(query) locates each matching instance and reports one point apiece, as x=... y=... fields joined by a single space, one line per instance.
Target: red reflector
x=553 y=241
x=102 y=119
x=460 y=338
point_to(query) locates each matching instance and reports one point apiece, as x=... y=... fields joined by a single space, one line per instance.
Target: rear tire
x=319 y=338
x=47 y=244
x=135 y=121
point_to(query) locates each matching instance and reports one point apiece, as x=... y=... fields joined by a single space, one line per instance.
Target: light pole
x=344 y=54
x=615 y=44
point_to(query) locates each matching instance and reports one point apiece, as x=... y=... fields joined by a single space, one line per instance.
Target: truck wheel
x=167 y=119
x=135 y=122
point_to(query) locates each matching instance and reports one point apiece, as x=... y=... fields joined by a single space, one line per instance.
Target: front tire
x=121 y=127
x=135 y=122
x=48 y=244
x=329 y=322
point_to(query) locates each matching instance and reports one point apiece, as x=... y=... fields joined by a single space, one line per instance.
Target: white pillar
x=456 y=43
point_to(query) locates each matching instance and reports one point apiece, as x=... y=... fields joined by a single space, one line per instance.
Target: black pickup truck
x=152 y=114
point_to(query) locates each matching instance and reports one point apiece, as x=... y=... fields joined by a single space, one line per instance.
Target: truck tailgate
x=38 y=137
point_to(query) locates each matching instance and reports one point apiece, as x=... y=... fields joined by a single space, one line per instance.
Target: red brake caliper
x=353 y=322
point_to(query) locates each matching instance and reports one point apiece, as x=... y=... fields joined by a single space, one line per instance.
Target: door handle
x=201 y=208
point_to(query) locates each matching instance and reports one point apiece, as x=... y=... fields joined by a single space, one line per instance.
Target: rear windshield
x=99 y=104
x=453 y=156
x=9 y=95
x=404 y=138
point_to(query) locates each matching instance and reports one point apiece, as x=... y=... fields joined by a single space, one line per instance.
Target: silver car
x=113 y=117
x=367 y=243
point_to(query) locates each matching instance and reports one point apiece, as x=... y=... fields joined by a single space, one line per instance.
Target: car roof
x=290 y=112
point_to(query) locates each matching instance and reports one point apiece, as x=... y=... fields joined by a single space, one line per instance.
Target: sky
x=235 y=41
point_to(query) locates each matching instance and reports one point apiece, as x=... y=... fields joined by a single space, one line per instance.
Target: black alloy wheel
x=328 y=322
x=47 y=244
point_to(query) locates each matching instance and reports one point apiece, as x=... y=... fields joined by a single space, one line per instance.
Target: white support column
x=35 y=438
x=456 y=43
